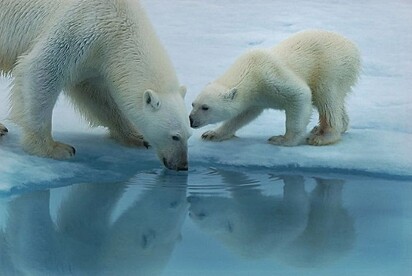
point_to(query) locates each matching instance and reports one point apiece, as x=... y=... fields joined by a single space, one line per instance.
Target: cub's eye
x=205 y=107
x=175 y=138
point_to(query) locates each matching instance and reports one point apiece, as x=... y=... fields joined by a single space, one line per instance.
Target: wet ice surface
x=225 y=221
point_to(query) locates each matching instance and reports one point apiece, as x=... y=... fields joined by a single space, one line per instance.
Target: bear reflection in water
x=88 y=237
x=298 y=228
x=123 y=229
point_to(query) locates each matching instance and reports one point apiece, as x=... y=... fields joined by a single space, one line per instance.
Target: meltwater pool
x=209 y=221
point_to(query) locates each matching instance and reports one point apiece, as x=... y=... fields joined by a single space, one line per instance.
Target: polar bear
x=94 y=229
x=249 y=222
x=312 y=67
x=107 y=59
x=297 y=228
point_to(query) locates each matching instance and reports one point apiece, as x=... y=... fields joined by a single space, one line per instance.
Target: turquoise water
x=231 y=221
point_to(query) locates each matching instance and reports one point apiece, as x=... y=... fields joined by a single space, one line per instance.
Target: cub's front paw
x=3 y=130
x=282 y=140
x=212 y=135
x=277 y=140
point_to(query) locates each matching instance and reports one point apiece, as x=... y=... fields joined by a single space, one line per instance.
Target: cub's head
x=214 y=104
x=165 y=126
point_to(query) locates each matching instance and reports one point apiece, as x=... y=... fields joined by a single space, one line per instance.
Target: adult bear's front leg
x=39 y=78
x=41 y=143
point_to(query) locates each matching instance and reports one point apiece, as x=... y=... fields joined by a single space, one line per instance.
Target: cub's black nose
x=191 y=121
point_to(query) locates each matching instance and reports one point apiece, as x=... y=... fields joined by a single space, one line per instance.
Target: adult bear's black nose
x=183 y=167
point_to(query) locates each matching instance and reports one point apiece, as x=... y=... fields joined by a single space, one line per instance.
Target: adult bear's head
x=165 y=125
x=143 y=81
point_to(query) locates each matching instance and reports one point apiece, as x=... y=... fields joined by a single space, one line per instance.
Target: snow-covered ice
x=203 y=38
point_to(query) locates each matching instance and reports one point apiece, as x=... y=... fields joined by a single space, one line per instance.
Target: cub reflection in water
x=98 y=229
x=296 y=227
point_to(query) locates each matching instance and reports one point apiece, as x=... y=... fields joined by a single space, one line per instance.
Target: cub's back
x=317 y=54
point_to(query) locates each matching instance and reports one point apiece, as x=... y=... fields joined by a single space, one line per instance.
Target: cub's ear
x=231 y=94
x=182 y=91
x=151 y=99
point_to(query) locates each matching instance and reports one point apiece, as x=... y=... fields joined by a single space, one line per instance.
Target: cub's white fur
x=312 y=67
x=105 y=55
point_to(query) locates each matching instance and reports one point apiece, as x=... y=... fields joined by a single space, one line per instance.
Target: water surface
x=231 y=221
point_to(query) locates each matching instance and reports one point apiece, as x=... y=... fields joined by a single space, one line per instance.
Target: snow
x=203 y=38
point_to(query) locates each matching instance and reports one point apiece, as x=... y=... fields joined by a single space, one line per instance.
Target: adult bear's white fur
x=312 y=67
x=105 y=55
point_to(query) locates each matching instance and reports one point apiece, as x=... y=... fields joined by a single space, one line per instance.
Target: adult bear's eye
x=205 y=107
x=175 y=138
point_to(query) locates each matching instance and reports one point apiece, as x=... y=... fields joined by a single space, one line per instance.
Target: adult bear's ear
x=231 y=94
x=182 y=91
x=151 y=99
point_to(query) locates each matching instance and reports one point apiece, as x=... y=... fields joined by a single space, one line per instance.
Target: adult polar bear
x=312 y=67
x=105 y=55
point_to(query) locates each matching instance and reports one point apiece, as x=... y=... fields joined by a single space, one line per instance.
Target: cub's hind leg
x=93 y=100
x=333 y=119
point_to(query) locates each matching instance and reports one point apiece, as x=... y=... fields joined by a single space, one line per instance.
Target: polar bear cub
x=312 y=67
